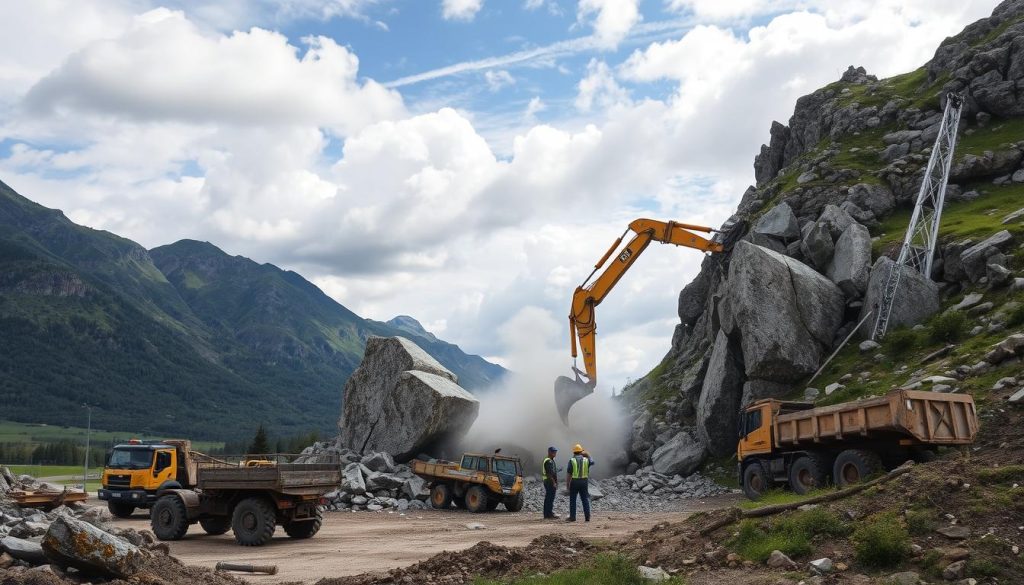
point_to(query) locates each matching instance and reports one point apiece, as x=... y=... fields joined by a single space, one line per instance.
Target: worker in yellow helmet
x=577 y=481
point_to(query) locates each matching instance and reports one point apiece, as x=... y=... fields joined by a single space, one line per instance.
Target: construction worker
x=576 y=480
x=549 y=475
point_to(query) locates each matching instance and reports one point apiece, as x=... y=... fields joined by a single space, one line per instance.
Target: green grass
x=16 y=432
x=1000 y=475
x=996 y=136
x=50 y=470
x=778 y=496
x=881 y=541
x=603 y=570
x=792 y=533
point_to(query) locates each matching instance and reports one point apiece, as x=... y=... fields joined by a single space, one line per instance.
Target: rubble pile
x=75 y=544
x=371 y=482
x=645 y=491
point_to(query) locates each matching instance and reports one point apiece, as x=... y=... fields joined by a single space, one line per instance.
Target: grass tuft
x=881 y=541
x=948 y=327
x=792 y=534
x=604 y=570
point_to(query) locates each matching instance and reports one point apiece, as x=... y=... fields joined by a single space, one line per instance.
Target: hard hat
x=578 y=448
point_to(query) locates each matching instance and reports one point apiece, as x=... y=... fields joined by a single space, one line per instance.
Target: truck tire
x=441 y=496
x=121 y=509
x=216 y=526
x=304 y=528
x=253 y=522
x=809 y=472
x=755 y=480
x=476 y=499
x=854 y=466
x=168 y=519
x=515 y=503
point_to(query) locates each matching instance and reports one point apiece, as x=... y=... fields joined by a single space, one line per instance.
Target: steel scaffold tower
x=918 y=249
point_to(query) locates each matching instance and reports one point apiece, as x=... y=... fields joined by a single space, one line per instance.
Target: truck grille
x=119 y=481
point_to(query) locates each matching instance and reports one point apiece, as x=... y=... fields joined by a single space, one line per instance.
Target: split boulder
x=720 y=397
x=681 y=455
x=785 y=313
x=403 y=402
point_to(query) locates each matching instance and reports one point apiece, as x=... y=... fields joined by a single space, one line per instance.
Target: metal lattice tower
x=918 y=249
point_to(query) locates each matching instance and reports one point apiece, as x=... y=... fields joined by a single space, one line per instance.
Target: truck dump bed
x=439 y=469
x=929 y=418
x=296 y=479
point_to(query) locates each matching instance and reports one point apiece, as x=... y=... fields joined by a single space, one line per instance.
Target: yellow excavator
x=587 y=297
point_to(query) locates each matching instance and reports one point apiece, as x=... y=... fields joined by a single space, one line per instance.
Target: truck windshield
x=505 y=467
x=130 y=459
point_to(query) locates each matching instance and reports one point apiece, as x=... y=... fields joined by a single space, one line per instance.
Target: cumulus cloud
x=611 y=19
x=165 y=68
x=460 y=9
x=157 y=128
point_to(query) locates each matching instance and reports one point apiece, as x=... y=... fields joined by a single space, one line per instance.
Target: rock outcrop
x=760 y=318
x=403 y=402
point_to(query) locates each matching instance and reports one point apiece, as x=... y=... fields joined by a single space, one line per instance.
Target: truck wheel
x=441 y=496
x=515 y=503
x=476 y=499
x=755 y=481
x=253 y=522
x=807 y=473
x=121 y=509
x=304 y=528
x=854 y=466
x=216 y=526
x=168 y=519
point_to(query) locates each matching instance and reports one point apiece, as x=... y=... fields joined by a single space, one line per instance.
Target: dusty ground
x=354 y=543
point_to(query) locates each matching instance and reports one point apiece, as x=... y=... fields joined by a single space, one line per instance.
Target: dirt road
x=352 y=543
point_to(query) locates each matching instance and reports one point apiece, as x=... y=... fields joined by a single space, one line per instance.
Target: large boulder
x=403 y=402
x=851 y=263
x=975 y=259
x=681 y=455
x=817 y=245
x=23 y=550
x=917 y=297
x=779 y=222
x=786 y=314
x=720 y=397
x=69 y=542
x=877 y=199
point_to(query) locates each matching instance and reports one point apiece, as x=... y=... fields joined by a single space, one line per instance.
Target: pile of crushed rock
x=76 y=544
x=374 y=482
x=645 y=491
x=371 y=482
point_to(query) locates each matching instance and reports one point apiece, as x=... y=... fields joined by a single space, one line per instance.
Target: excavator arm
x=582 y=326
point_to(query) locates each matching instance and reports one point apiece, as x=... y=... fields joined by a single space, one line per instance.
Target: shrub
x=948 y=327
x=983 y=568
x=921 y=522
x=790 y=534
x=881 y=541
x=1016 y=316
x=901 y=341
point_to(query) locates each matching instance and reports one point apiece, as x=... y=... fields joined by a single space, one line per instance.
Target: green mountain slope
x=182 y=340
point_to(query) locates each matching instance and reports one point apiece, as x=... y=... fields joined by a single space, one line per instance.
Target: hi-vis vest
x=580 y=467
x=544 y=468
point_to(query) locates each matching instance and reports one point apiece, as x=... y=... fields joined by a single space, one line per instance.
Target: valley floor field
x=353 y=543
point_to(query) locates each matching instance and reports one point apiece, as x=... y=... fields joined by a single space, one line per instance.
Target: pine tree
x=259 y=444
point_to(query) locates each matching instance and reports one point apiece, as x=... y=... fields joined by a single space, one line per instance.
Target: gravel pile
x=646 y=491
x=371 y=482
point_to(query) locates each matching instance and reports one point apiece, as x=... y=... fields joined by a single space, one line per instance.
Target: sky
x=461 y=161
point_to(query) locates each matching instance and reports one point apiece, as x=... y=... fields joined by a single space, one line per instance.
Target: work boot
x=570 y=519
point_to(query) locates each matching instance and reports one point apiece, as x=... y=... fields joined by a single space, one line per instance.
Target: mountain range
x=183 y=339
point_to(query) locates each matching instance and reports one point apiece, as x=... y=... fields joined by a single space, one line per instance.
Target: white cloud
x=419 y=214
x=599 y=88
x=611 y=19
x=460 y=9
x=165 y=68
x=496 y=80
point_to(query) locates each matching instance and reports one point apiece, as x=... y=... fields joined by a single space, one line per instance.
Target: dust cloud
x=519 y=415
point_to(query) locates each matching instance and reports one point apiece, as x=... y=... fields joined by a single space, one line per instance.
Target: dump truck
x=478 y=482
x=805 y=447
x=248 y=495
x=137 y=471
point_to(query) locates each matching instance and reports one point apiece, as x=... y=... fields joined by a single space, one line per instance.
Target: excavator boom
x=582 y=326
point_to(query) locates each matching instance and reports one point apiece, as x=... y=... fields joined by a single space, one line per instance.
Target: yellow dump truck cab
x=138 y=471
x=478 y=482
x=808 y=447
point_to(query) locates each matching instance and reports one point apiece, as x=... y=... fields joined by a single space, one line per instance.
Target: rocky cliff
x=833 y=193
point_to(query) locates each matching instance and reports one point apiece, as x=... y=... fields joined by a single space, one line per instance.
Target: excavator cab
x=582 y=327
